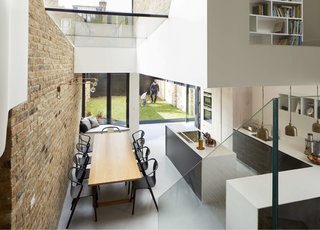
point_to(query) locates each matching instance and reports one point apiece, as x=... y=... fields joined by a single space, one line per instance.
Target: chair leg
x=154 y=199
x=72 y=203
x=72 y=211
x=134 y=200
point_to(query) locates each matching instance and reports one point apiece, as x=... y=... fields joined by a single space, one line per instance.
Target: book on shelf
x=291 y=40
x=260 y=9
x=283 y=41
x=286 y=11
x=278 y=27
x=295 y=27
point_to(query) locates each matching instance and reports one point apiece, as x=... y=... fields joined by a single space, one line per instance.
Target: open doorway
x=109 y=101
x=175 y=101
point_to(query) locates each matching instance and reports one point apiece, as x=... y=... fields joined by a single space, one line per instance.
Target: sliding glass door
x=109 y=101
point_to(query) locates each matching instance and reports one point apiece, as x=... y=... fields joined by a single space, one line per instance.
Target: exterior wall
x=41 y=132
x=152 y=7
x=172 y=93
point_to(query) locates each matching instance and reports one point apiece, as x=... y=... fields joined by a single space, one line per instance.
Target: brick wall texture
x=41 y=131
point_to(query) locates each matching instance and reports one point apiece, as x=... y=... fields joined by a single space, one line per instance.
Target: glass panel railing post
x=275 y=169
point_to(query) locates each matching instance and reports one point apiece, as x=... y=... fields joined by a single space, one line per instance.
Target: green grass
x=158 y=111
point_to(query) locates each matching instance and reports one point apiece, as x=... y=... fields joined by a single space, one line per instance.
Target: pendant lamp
x=316 y=125
x=262 y=132
x=290 y=130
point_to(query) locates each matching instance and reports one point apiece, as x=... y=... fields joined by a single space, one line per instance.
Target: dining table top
x=113 y=159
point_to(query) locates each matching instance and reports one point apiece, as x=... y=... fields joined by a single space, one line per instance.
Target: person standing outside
x=144 y=99
x=154 y=88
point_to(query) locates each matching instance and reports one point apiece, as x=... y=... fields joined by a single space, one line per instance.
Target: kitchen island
x=207 y=170
x=299 y=192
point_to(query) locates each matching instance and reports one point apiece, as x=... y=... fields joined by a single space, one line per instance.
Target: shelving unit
x=276 y=22
x=304 y=106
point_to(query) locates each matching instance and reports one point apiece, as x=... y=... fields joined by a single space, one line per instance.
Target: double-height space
x=167 y=114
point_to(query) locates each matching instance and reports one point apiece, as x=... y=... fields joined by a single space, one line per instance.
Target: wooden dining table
x=113 y=161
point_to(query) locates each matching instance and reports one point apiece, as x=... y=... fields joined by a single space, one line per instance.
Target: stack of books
x=287 y=11
x=260 y=9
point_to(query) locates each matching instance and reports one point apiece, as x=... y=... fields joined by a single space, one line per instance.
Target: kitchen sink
x=191 y=136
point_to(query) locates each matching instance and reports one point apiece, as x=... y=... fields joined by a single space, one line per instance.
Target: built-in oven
x=207 y=100
x=207 y=115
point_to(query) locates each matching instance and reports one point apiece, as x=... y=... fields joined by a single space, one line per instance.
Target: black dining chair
x=80 y=189
x=81 y=162
x=138 y=137
x=147 y=182
x=142 y=155
x=111 y=129
x=84 y=143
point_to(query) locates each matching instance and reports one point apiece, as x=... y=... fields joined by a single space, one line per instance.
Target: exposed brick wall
x=5 y=191
x=152 y=6
x=41 y=131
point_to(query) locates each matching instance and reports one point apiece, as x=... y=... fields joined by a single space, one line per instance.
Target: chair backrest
x=84 y=143
x=84 y=139
x=74 y=181
x=111 y=129
x=83 y=148
x=151 y=176
x=81 y=162
x=137 y=135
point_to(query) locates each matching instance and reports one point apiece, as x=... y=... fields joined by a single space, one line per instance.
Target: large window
x=109 y=103
x=175 y=101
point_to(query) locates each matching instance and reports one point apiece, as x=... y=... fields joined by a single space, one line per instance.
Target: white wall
x=18 y=54
x=4 y=70
x=233 y=62
x=230 y=108
x=178 y=49
x=13 y=59
x=303 y=123
x=311 y=21
x=134 y=102
x=105 y=60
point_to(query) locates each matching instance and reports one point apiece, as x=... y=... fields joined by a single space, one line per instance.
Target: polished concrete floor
x=179 y=207
x=119 y=216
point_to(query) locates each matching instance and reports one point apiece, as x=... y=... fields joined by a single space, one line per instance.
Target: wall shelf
x=276 y=22
x=304 y=106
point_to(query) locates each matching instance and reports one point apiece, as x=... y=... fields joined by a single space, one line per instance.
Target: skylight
x=105 y=23
x=112 y=5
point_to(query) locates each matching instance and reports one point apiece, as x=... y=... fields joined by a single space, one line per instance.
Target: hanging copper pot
x=263 y=133
x=316 y=127
x=290 y=130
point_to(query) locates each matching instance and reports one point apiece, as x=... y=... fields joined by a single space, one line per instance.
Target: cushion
x=83 y=127
x=94 y=122
x=86 y=122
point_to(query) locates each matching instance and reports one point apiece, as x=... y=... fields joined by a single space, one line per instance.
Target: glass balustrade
x=259 y=177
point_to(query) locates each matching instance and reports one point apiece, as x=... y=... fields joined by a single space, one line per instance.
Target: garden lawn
x=152 y=111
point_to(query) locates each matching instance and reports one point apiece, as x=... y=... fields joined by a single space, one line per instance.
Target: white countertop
x=293 y=146
x=294 y=185
x=208 y=151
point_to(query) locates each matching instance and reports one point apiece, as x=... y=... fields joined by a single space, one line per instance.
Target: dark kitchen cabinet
x=258 y=156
